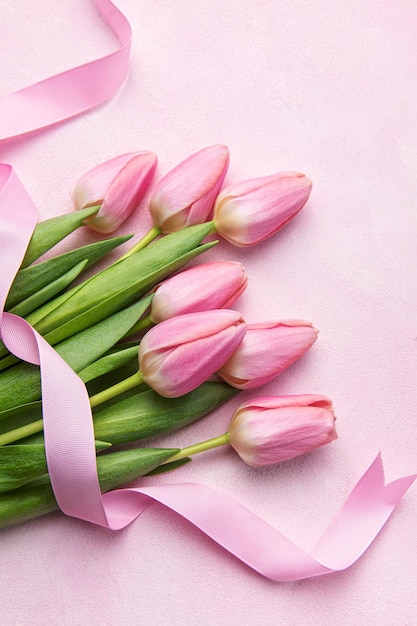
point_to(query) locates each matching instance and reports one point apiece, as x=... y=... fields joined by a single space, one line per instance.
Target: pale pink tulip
x=269 y=430
x=255 y=209
x=118 y=185
x=200 y=288
x=179 y=354
x=266 y=351
x=185 y=196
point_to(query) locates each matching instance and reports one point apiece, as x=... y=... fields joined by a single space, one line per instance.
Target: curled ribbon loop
x=70 y=451
x=68 y=426
x=78 y=89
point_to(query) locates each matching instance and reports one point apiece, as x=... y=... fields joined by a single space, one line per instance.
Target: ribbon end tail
x=395 y=490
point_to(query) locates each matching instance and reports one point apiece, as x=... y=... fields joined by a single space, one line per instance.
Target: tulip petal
x=185 y=196
x=179 y=354
x=188 y=366
x=270 y=402
x=256 y=209
x=187 y=328
x=269 y=430
x=200 y=288
x=125 y=193
x=91 y=187
x=266 y=351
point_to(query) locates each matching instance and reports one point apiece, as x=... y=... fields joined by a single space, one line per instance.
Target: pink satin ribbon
x=74 y=91
x=68 y=426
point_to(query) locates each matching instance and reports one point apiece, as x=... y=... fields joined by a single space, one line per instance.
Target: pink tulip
x=118 y=186
x=269 y=430
x=256 y=209
x=179 y=354
x=185 y=196
x=266 y=351
x=200 y=288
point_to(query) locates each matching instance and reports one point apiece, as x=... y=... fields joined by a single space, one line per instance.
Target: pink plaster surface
x=327 y=87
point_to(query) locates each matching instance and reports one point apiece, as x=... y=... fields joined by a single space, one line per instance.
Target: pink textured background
x=328 y=87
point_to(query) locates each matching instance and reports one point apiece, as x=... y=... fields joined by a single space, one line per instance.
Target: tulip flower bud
x=256 y=209
x=266 y=351
x=179 y=354
x=118 y=185
x=200 y=288
x=269 y=430
x=185 y=196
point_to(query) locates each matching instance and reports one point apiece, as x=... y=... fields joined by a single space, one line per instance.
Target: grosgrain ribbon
x=68 y=428
x=78 y=89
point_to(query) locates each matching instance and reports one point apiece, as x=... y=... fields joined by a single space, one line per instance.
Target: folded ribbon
x=68 y=426
x=74 y=91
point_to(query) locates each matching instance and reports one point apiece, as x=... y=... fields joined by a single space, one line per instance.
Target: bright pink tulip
x=266 y=351
x=118 y=186
x=179 y=354
x=185 y=196
x=255 y=209
x=200 y=288
x=269 y=430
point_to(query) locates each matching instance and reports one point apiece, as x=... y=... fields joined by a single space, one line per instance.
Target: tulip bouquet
x=157 y=346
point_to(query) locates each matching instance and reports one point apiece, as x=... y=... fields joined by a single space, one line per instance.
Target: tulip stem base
x=152 y=234
x=209 y=444
x=143 y=324
x=124 y=385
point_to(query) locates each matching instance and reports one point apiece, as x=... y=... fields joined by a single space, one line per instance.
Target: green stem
x=142 y=324
x=209 y=444
x=107 y=394
x=20 y=433
x=117 y=389
x=152 y=234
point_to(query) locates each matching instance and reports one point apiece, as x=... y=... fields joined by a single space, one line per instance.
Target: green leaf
x=108 y=363
x=19 y=416
x=140 y=415
x=22 y=464
x=147 y=414
x=169 y=467
x=114 y=470
x=24 y=414
x=49 y=232
x=107 y=306
x=111 y=378
x=122 y=467
x=21 y=383
x=49 y=291
x=123 y=282
x=31 y=279
x=90 y=344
